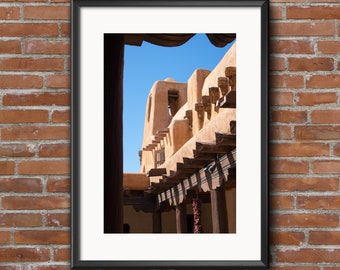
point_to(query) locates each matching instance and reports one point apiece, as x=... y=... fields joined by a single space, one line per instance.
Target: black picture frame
x=114 y=132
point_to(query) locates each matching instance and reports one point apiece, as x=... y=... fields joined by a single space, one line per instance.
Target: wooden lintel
x=193 y=163
x=204 y=156
x=156 y=172
x=210 y=148
x=225 y=139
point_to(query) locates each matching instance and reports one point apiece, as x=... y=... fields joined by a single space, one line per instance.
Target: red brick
x=284 y=116
x=20 y=220
x=47 y=12
x=329 y=46
x=29 y=29
x=311 y=99
x=301 y=220
x=23 y=116
x=317 y=132
x=20 y=81
x=10 y=46
x=280 y=133
x=300 y=267
x=62 y=254
x=20 y=185
x=277 y=64
x=288 y=166
x=324 y=1
x=336 y=149
x=37 y=254
x=51 y=267
x=16 y=150
x=311 y=64
x=275 y=12
x=287 y=238
x=324 y=237
x=281 y=98
x=286 y=81
x=35 y=133
x=288 y=1
x=37 y=99
x=313 y=12
x=6 y=167
x=291 y=46
x=58 y=185
x=44 y=167
x=61 y=117
x=304 y=184
x=318 y=202
x=35 y=203
x=302 y=29
x=32 y=64
x=325 y=117
x=9 y=13
x=54 y=150
x=280 y=202
x=323 y=81
x=299 y=149
x=47 y=47
x=58 y=220
x=68 y=64
x=326 y=166
x=58 y=81
x=65 y=29
x=308 y=255
x=5 y=237
x=42 y=237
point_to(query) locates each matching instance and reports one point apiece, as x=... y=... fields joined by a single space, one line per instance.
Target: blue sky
x=146 y=64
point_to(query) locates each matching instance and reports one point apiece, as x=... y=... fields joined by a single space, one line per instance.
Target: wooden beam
x=232 y=127
x=113 y=132
x=181 y=218
x=211 y=148
x=135 y=181
x=156 y=172
x=219 y=210
x=225 y=139
x=228 y=101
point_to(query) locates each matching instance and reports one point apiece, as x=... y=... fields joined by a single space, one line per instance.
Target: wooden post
x=113 y=132
x=157 y=221
x=181 y=218
x=219 y=211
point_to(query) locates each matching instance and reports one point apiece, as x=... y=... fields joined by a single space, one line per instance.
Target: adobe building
x=187 y=176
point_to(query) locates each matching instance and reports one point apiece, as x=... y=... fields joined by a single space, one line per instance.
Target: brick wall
x=34 y=130
x=35 y=134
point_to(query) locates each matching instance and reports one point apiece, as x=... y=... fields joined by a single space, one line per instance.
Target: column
x=219 y=210
x=113 y=132
x=181 y=218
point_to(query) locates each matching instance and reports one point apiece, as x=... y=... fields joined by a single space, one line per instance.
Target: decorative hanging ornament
x=196 y=207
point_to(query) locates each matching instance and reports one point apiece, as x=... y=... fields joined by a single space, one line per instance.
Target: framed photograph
x=169 y=134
